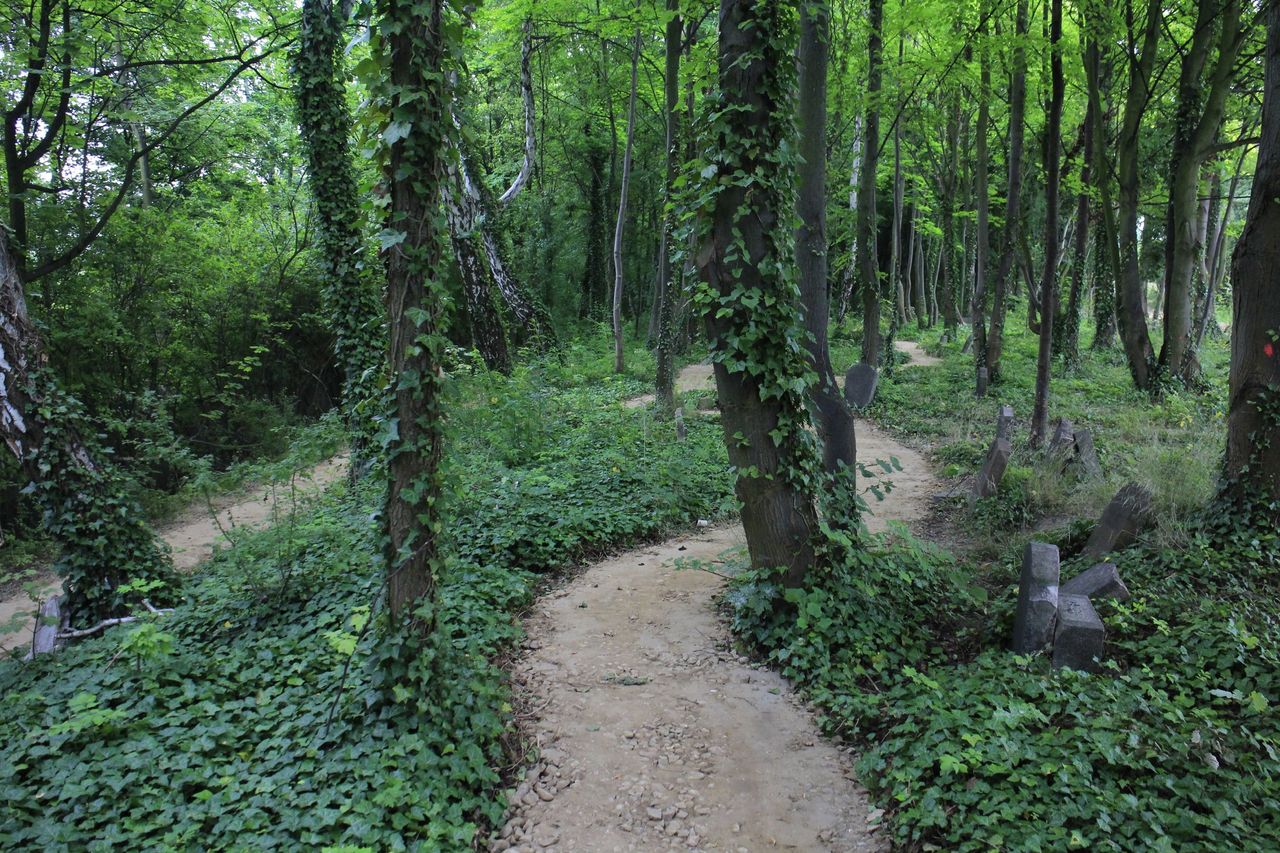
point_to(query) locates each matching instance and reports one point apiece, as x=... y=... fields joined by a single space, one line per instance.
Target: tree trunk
x=868 y=266
x=666 y=373
x=760 y=360
x=951 y=188
x=1217 y=254
x=1013 y=193
x=1194 y=130
x=1070 y=346
x=488 y=332
x=415 y=308
x=981 y=202
x=594 y=270
x=1049 y=283
x=1252 y=475
x=351 y=301
x=618 y=276
x=530 y=137
x=834 y=419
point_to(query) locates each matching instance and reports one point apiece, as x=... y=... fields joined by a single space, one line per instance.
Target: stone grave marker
x=1004 y=423
x=1034 y=621
x=1125 y=517
x=1087 y=455
x=988 y=481
x=1099 y=581
x=1079 y=636
x=860 y=385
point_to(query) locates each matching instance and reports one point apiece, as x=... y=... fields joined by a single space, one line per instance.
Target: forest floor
x=195 y=534
x=654 y=733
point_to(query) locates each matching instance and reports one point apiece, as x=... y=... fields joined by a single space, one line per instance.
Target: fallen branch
x=110 y=623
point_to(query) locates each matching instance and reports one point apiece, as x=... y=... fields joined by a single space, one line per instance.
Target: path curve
x=915 y=352
x=195 y=534
x=654 y=734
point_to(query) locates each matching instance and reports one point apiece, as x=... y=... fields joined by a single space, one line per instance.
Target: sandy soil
x=654 y=734
x=694 y=377
x=194 y=535
x=917 y=354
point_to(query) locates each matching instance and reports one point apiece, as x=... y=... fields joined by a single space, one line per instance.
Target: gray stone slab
x=860 y=385
x=1086 y=457
x=988 y=479
x=983 y=378
x=967 y=347
x=1036 y=616
x=1079 y=637
x=1125 y=517
x=1099 y=581
x=682 y=432
x=1064 y=437
x=1004 y=423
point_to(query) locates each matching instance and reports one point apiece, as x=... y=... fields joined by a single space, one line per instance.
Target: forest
x=607 y=425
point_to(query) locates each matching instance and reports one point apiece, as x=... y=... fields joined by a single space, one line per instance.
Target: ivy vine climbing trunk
x=834 y=419
x=1049 y=282
x=749 y=299
x=618 y=275
x=868 y=265
x=351 y=299
x=411 y=49
x=666 y=374
x=982 y=203
x=104 y=539
x=1252 y=476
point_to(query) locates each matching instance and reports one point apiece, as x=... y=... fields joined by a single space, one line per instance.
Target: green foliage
x=276 y=717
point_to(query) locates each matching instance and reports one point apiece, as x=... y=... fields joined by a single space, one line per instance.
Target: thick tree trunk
x=1252 y=475
x=1013 y=194
x=868 y=262
x=666 y=373
x=1049 y=283
x=760 y=361
x=1194 y=130
x=415 y=307
x=834 y=419
x=951 y=188
x=618 y=276
x=488 y=332
x=1106 y=263
x=594 y=271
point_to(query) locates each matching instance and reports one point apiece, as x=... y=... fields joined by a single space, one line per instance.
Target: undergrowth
x=260 y=715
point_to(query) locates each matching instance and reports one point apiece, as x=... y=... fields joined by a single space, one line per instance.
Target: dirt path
x=917 y=354
x=195 y=534
x=654 y=734
x=694 y=377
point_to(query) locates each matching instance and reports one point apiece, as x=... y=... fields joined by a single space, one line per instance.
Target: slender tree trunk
x=1070 y=346
x=530 y=136
x=868 y=266
x=1013 y=194
x=666 y=374
x=618 y=351
x=760 y=360
x=1106 y=255
x=1049 y=285
x=1194 y=130
x=594 y=270
x=1215 y=264
x=413 y=39
x=834 y=419
x=981 y=202
x=1252 y=475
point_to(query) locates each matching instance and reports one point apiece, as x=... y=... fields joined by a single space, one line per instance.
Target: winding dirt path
x=195 y=534
x=654 y=734
x=919 y=358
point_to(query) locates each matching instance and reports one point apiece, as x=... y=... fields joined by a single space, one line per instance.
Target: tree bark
x=1048 y=283
x=760 y=362
x=1252 y=475
x=834 y=419
x=868 y=266
x=981 y=202
x=530 y=136
x=1070 y=346
x=415 y=308
x=666 y=373
x=619 y=352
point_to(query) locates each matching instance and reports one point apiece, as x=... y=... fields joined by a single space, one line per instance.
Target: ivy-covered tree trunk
x=749 y=299
x=1013 y=195
x=868 y=222
x=1049 y=282
x=412 y=49
x=351 y=300
x=982 y=203
x=666 y=374
x=1252 y=476
x=1069 y=346
x=103 y=535
x=1106 y=257
x=834 y=419
x=619 y=276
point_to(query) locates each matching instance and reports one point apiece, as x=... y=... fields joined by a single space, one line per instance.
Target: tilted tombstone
x=1064 y=437
x=682 y=431
x=1125 y=517
x=1099 y=581
x=1004 y=423
x=1087 y=455
x=967 y=346
x=983 y=379
x=988 y=481
x=1037 y=612
x=1079 y=637
x=860 y=385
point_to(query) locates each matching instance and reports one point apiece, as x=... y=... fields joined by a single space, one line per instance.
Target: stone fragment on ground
x=1063 y=442
x=1098 y=582
x=1129 y=513
x=988 y=480
x=1004 y=423
x=1079 y=637
x=1086 y=455
x=1036 y=615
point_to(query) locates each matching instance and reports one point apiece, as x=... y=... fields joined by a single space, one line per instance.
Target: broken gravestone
x=983 y=378
x=1033 y=624
x=1099 y=581
x=1086 y=456
x=1004 y=423
x=48 y=624
x=988 y=481
x=860 y=385
x=682 y=431
x=967 y=346
x=1064 y=438
x=1079 y=635
x=1124 y=518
